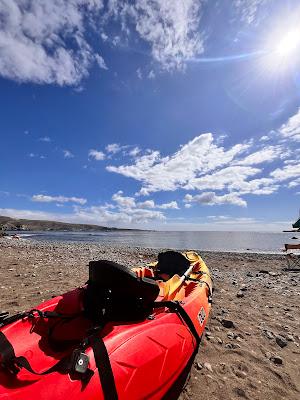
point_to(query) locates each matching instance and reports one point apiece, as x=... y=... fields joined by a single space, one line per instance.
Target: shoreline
x=30 y=239
x=257 y=358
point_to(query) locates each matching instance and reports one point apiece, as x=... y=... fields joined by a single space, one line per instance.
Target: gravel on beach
x=251 y=347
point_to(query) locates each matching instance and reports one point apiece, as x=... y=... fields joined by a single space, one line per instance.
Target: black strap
x=62 y=365
x=7 y=354
x=177 y=307
x=104 y=368
x=13 y=364
x=5 y=319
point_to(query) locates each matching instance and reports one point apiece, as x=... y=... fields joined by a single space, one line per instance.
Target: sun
x=288 y=44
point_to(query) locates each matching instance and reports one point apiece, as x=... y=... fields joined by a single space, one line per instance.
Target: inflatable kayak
x=126 y=334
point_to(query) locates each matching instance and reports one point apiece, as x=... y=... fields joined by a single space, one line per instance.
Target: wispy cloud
x=68 y=154
x=113 y=148
x=170 y=28
x=211 y=199
x=130 y=202
x=57 y=199
x=34 y=155
x=247 y=11
x=291 y=129
x=45 y=139
x=96 y=155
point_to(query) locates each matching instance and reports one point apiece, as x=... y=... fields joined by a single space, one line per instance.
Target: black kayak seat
x=172 y=262
x=106 y=274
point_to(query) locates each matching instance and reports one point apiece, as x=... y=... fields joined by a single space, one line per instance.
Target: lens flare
x=289 y=44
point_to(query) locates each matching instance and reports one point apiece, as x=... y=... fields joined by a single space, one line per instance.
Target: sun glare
x=281 y=51
x=289 y=44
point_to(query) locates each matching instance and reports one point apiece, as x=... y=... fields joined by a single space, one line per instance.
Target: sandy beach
x=251 y=346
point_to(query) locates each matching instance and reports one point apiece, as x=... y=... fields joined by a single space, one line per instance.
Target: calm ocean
x=262 y=242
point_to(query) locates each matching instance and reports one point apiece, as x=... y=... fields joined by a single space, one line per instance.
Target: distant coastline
x=12 y=224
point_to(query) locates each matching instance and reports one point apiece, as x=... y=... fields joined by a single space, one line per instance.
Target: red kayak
x=134 y=343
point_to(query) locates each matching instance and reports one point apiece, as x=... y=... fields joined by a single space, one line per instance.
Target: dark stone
x=227 y=323
x=277 y=360
x=281 y=341
x=198 y=366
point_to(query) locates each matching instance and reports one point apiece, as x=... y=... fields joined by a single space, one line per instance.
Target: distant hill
x=11 y=224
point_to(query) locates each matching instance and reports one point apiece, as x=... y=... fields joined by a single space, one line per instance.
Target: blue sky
x=163 y=114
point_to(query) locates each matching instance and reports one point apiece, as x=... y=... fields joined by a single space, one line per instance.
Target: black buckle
x=80 y=361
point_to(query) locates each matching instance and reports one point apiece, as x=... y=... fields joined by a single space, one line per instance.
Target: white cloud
x=199 y=156
x=58 y=199
x=211 y=199
x=48 y=42
x=35 y=37
x=172 y=205
x=247 y=11
x=291 y=129
x=151 y=75
x=134 y=152
x=113 y=148
x=33 y=155
x=104 y=36
x=123 y=201
x=151 y=204
x=267 y=154
x=294 y=183
x=96 y=155
x=100 y=61
x=146 y=204
x=130 y=202
x=139 y=73
x=45 y=139
x=68 y=154
x=203 y=164
x=122 y=216
x=287 y=172
x=170 y=27
x=264 y=138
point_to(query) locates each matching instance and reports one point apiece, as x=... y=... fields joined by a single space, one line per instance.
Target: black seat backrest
x=172 y=262
x=117 y=288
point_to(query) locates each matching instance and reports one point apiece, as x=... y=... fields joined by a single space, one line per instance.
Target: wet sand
x=251 y=346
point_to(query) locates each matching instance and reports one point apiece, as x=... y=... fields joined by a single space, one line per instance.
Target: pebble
x=227 y=323
x=231 y=335
x=276 y=360
x=198 y=366
x=269 y=334
x=273 y=273
x=208 y=366
x=240 y=374
x=281 y=341
x=240 y=294
x=240 y=392
x=232 y=346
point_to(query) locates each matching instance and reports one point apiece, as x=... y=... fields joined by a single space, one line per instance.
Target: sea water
x=261 y=242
